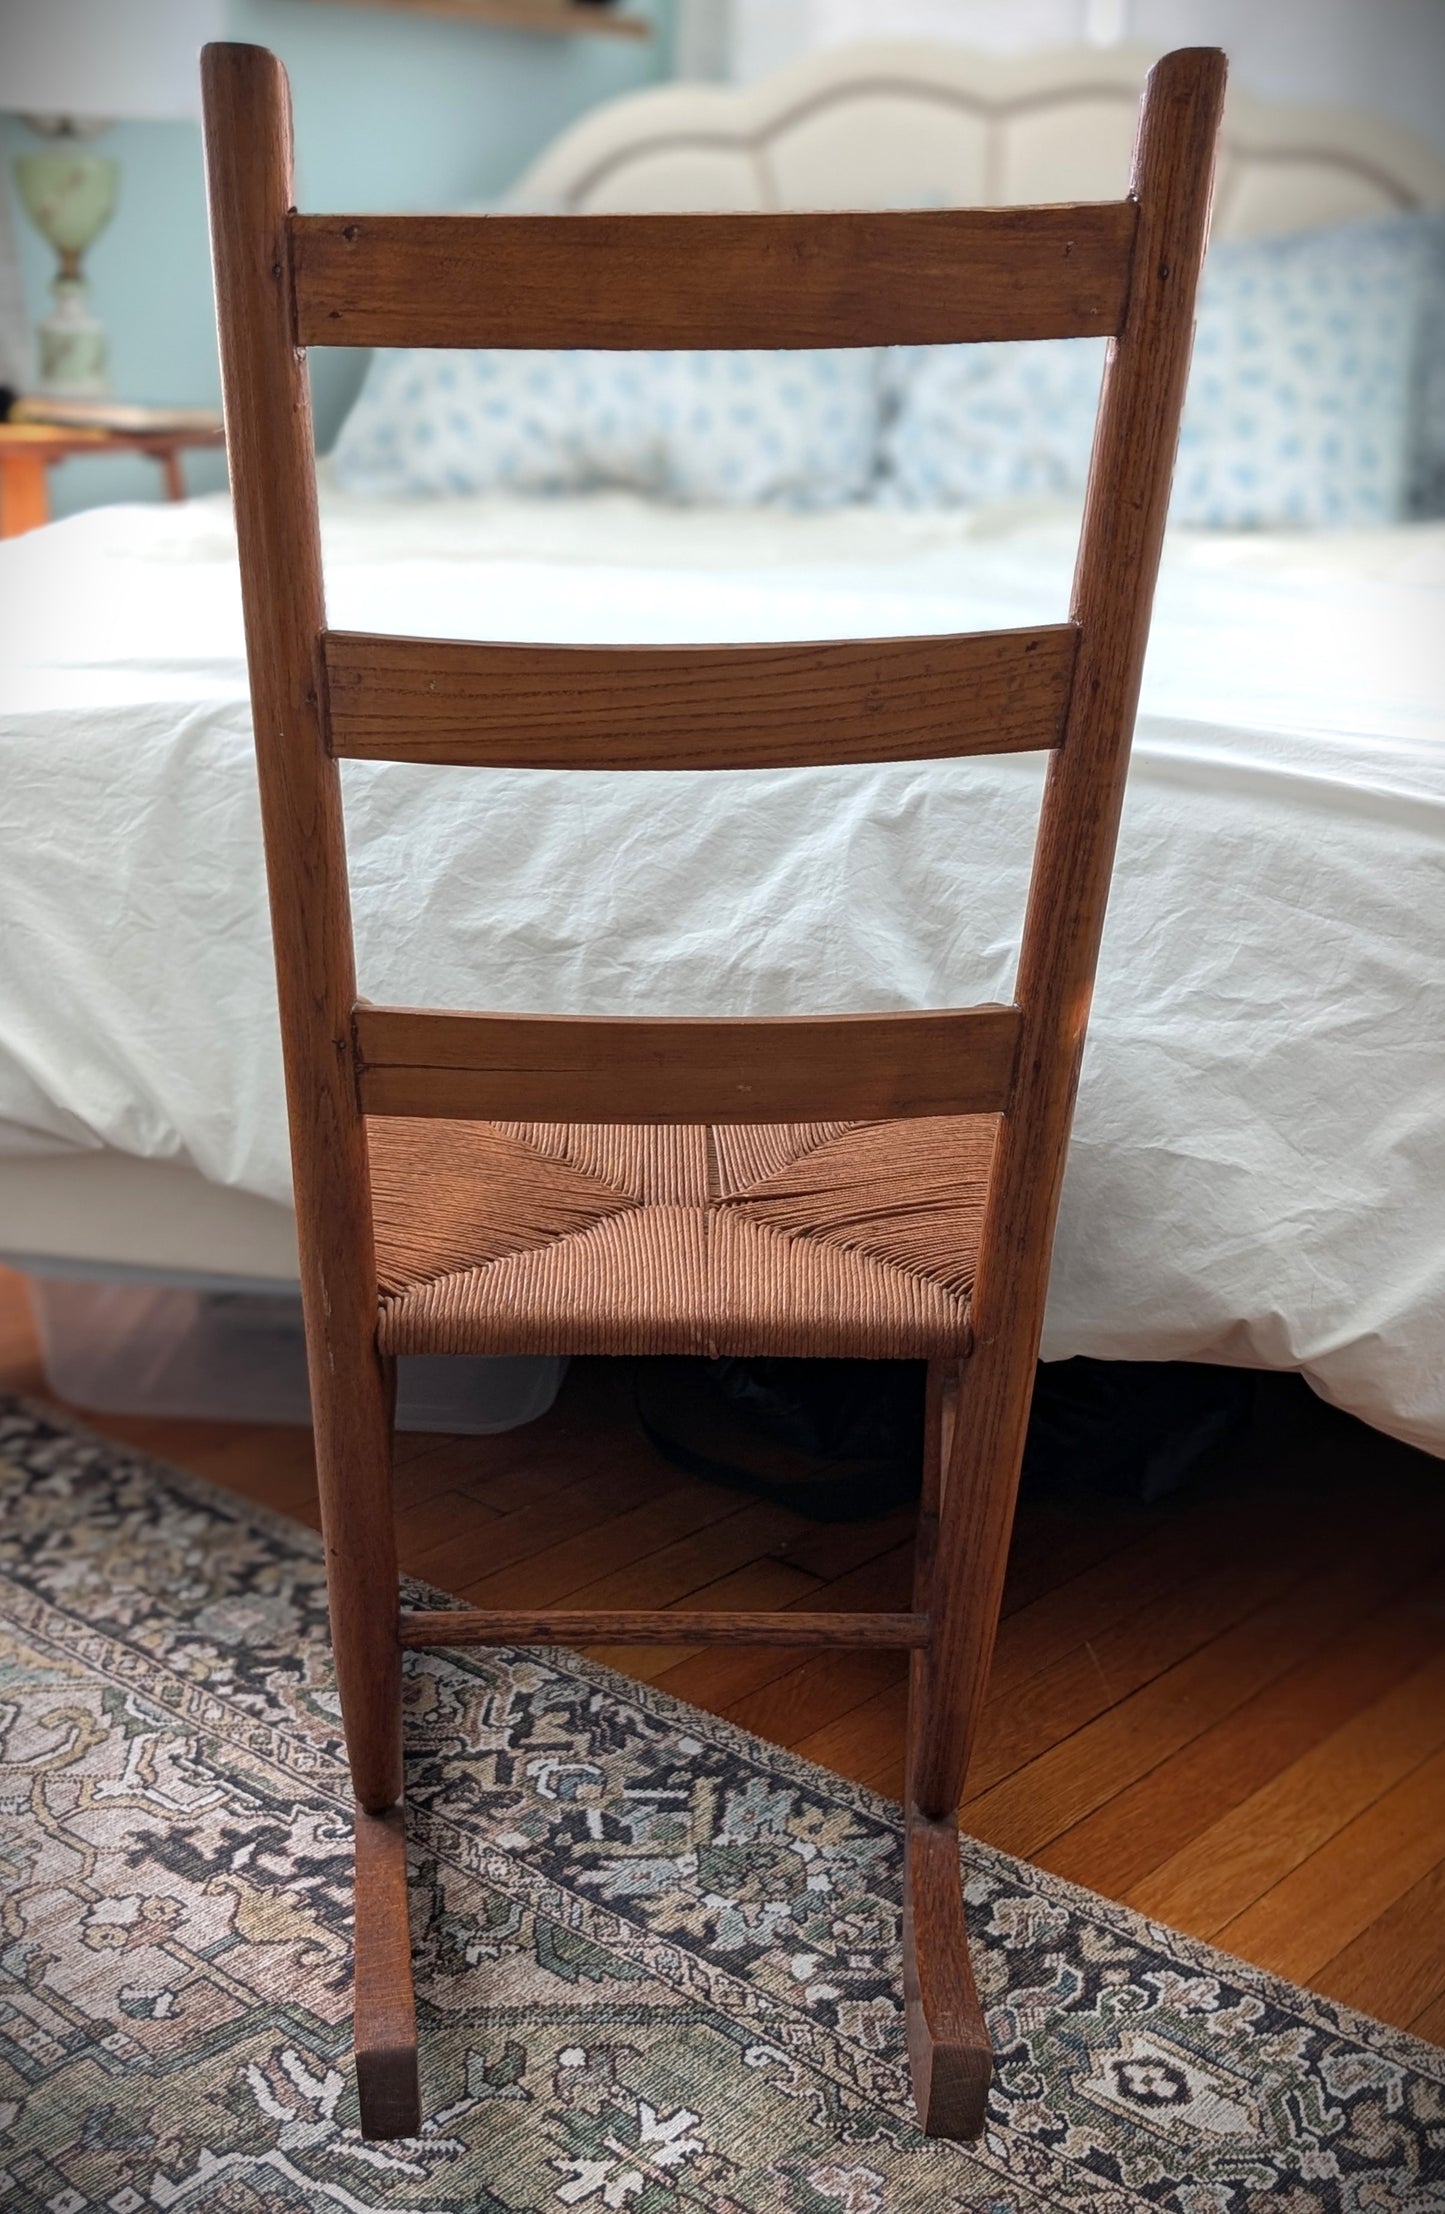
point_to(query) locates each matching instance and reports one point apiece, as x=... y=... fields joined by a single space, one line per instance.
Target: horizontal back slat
x=664 y=281
x=696 y=707
x=557 y=1068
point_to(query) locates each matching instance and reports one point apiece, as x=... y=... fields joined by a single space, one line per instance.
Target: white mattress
x=1258 y=1167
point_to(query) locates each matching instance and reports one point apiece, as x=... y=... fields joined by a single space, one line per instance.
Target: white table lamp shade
x=116 y=59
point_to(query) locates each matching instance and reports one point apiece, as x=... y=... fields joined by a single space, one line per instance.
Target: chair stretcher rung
x=661 y=1626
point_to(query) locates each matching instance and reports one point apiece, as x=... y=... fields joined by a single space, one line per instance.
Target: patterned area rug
x=657 y=1959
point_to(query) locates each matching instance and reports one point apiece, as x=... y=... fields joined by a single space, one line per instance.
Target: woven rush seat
x=809 y=1240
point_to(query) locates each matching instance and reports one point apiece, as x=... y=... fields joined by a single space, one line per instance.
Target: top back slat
x=936 y=277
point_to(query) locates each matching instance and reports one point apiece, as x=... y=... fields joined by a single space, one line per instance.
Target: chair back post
x=247 y=115
x=1123 y=531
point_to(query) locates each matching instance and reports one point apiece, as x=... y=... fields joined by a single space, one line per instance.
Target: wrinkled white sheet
x=1258 y=1166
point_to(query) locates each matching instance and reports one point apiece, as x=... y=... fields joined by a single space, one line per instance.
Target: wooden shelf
x=577 y=21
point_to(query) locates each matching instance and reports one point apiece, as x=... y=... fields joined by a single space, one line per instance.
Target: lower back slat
x=600 y=1069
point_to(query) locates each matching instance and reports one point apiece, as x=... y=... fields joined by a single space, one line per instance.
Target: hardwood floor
x=1227 y=1708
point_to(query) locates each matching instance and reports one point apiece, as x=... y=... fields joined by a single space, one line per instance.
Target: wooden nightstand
x=28 y=449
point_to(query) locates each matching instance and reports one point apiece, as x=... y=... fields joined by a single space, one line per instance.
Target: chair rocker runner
x=476 y=1183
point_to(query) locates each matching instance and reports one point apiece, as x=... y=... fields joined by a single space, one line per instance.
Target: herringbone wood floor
x=1227 y=1709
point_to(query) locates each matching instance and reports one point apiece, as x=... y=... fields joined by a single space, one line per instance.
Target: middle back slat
x=935 y=277
x=696 y=707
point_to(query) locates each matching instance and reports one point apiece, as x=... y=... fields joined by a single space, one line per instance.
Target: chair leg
x=948 y=2048
x=354 y=1403
x=948 y=2045
x=979 y=1459
x=387 y=2082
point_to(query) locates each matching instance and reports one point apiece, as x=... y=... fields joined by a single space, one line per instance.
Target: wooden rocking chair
x=503 y=1183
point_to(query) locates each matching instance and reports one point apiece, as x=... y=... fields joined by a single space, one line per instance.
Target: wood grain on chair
x=527 y=1182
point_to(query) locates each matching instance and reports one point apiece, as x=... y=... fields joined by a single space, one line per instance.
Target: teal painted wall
x=391 y=110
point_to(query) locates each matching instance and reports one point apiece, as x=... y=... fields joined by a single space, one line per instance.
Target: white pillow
x=741 y=429
x=1301 y=404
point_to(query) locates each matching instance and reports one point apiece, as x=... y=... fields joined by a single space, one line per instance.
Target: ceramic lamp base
x=70 y=197
x=74 y=354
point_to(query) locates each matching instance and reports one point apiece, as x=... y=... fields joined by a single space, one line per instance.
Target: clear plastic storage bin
x=238 y=1356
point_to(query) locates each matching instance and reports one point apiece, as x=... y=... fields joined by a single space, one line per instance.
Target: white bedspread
x=1258 y=1166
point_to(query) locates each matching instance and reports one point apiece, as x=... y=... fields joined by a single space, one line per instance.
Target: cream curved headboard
x=937 y=126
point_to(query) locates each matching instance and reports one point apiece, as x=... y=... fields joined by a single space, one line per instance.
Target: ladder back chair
x=878 y=1185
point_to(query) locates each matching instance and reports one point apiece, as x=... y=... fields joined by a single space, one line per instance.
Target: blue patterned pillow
x=1427 y=464
x=994 y=422
x=1304 y=396
x=742 y=429
x=1303 y=381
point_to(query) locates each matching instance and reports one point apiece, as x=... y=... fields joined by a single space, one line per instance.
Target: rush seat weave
x=803 y=1239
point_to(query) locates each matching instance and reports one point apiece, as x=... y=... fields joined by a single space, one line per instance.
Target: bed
x=1258 y=1166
